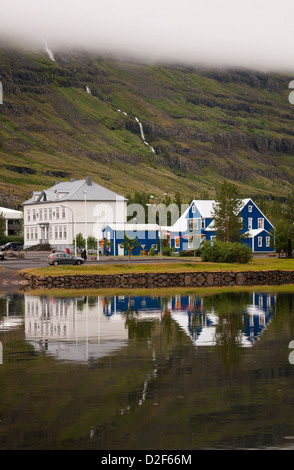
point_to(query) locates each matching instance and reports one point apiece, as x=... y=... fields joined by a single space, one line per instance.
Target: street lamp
x=73 y=227
x=159 y=199
x=86 y=235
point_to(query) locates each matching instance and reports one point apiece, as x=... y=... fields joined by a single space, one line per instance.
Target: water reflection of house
x=73 y=328
x=11 y=312
x=79 y=328
x=201 y=325
x=146 y=307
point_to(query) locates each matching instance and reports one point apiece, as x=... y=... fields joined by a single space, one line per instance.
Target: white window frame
x=268 y=242
x=250 y=220
x=193 y=225
x=260 y=222
x=249 y=208
x=259 y=242
x=203 y=223
x=193 y=209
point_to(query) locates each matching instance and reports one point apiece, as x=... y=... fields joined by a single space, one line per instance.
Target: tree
x=142 y=198
x=91 y=243
x=129 y=244
x=80 y=241
x=226 y=213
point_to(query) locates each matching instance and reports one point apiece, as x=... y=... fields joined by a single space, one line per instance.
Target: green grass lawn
x=257 y=264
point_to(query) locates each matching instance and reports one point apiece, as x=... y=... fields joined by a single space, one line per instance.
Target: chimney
x=89 y=180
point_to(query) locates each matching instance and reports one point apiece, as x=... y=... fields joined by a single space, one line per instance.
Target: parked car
x=1 y=256
x=64 y=258
x=15 y=246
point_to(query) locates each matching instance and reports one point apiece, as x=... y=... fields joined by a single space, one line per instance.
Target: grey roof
x=74 y=190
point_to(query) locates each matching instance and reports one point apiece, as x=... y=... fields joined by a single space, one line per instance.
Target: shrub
x=190 y=252
x=225 y=252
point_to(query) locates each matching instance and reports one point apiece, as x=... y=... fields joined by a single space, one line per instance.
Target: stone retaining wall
x=156 y=280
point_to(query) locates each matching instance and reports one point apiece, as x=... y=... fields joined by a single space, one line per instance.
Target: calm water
x=141 y=372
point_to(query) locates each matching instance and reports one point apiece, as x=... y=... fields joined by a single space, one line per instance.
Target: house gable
x=253 y=218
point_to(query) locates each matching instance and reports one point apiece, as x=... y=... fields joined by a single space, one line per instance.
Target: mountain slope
x=79 y=115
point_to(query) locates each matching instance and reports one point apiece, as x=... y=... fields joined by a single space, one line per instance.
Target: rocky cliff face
x=79 y=115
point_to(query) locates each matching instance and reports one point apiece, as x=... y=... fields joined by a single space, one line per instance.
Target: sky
x=257 y=34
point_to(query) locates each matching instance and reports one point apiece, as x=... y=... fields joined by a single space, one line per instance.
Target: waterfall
x=141 y=131
x=143 y=137
x=49 y=52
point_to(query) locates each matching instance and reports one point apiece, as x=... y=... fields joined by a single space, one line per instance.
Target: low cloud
x=255 y=34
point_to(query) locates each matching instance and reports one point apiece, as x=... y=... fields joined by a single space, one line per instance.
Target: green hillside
x=204 y=126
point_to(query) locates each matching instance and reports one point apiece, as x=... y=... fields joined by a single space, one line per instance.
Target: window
x=268 y=241
x=50 y=232
x=36 y=233
x=249 y=208
x=28 y=234
x=29 y=215
x=56 y=232
x=45 y=214
x=57 y=213
x=50 y=214
x=34 y=214
x=64 y=231
x=177 y=242
x=63 y=212
x=202 y=223
x=259 y=241
x=190 y=243
x=60 y=231
x=241 y=219
x=193 y=209
x=260 y=223
x=249 y=223
x=193 y=224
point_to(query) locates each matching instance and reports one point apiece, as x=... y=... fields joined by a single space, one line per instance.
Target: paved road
x=10 y=278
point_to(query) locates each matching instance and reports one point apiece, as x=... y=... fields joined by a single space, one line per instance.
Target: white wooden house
x=56 y=215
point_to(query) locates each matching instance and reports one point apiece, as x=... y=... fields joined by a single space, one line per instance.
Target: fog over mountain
x=253 y=33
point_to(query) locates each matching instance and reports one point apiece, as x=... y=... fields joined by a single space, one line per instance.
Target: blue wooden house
x=187 y=233
x=146 y=234
x=196 y=224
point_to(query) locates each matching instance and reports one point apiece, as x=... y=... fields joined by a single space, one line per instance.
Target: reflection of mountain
x=201 y=325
